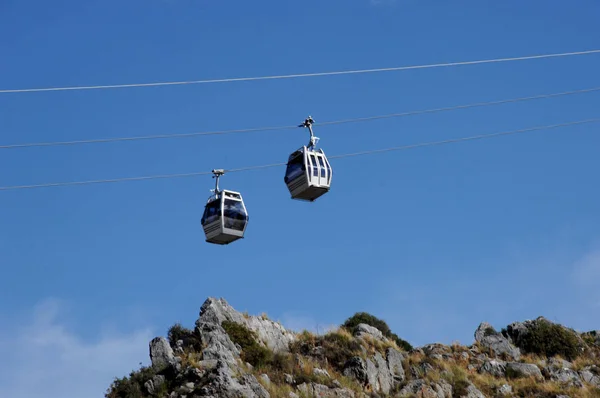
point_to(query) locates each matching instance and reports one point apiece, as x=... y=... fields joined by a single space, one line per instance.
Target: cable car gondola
x=308 y=173
x=225 y=216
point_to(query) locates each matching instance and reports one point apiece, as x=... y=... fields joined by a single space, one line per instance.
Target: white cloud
x=42 y=358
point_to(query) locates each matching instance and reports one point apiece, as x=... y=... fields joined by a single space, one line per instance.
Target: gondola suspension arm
x=313 y=139
x=217 y=174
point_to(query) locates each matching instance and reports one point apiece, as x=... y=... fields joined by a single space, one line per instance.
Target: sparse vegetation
x=364 y=317
x=133 y=385
x=490 y=331
x=252 y=351
x=335 y=347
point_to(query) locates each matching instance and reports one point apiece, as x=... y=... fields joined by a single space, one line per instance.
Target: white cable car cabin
x=308 y=173
x=225 y=216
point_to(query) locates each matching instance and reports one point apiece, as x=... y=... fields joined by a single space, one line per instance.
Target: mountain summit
x=232 y=354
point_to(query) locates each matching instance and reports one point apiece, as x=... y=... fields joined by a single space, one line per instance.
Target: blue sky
x=434 y=240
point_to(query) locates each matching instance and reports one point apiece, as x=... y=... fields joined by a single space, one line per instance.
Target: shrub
x=339 y=348
x=489 y=331
x=336 y=347
x=132 y=386
x=252 y=352
x=364 y=317
x=549 y=339
x=189 y=338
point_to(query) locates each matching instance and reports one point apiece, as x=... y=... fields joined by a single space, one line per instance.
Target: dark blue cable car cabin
x=225 y=218
x=308 y=174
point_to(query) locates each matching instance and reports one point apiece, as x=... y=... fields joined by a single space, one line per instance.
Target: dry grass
x=535 y=359
x=190 y=359
x=582 y=362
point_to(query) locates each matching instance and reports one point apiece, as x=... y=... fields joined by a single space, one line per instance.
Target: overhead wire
x=375 y=151
x=274 y=128
x=292 y=76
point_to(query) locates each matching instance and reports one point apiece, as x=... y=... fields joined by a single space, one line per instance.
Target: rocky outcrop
x=272 y=334
x=208 y=361
x=161 y=354
x=488 y=337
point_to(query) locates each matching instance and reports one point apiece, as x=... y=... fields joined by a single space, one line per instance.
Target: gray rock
x=356 y=368
x=473 y=392
x=421 y=387
x=421 y=370
x=153 y=385
x=382 y=377
x=208 y=364
x=518 y=369
x=559 y=363
x=187 y=388
x=271 y=333
x=443 y=389
x=218 y=344
x=563 y=375
x=161 y=353
x=289 y=379
x=265 y=378
x=320 y=372
x=367 y=330
x=377 y=373
x=494 y=367
x=487 y=336
x=394 y=361
x=591 y=375
x=505 y=389
x=319 y=390
x=222 y=383
x=437 y=351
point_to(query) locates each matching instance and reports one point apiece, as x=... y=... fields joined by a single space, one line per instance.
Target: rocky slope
x=230 y=354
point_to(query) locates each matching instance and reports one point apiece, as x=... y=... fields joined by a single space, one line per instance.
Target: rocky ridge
x=230 y=354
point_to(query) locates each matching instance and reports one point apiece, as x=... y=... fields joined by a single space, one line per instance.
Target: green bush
x=364 y=317
x=189 y=338
x=549 y=339
x=132 y=386
x=252 y=352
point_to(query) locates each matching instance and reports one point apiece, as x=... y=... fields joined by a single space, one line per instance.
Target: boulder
x=487 y=336
x=519 y=369
x=161 y=354
x=493 y=367
x=362 y=330
x=591 y=375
